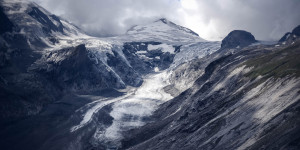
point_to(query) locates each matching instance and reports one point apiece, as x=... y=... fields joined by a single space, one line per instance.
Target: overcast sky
x=211 y=19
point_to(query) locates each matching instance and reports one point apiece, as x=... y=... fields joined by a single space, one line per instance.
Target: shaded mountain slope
x=250 y=96
x=237 y=38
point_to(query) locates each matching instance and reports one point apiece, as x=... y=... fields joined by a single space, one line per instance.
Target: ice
x=130 y=110
x=141 y=52
x=163 y=47
x=88 y=115
x=156 y=69
x=193 y=51
x=137 y=106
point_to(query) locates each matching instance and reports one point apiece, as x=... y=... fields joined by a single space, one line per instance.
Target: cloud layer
x=266 y=19
x=212 y=19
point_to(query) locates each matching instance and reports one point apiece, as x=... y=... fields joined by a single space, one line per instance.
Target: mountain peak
x=290 y=37
x=163 y=20
x=238 y=38
x=172 y=24
x=296 y=31
x=162 y=28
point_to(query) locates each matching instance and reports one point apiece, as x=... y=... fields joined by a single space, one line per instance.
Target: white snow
x=137 y=106
x=163 y=47
x=156 y=69
x=88 y=115
x=178 y=109
x=159 y=31
x=193 y=51
x=128 y=111
x=141 y=52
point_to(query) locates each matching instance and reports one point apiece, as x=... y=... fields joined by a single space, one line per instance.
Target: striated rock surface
x=248 y=99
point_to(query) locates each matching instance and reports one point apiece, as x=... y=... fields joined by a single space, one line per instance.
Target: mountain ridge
x=158 y=87
x=163 y=30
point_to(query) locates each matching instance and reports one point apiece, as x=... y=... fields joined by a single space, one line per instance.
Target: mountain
x=159 y=86
x=289 y=37
x=237 y=38
x=50 y=70
x=35 y=24
x=164 y=31
x=245 y=99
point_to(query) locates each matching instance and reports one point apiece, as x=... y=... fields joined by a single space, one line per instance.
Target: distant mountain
x=290 y=36
x=32 y=22
x=237 y=38
x=162 y=30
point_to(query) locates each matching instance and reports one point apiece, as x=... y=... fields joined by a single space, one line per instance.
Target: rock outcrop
x=290 y=37
x=237 y=39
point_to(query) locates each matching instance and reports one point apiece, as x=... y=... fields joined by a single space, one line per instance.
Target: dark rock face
x=290 y=37
x=150 y=59
x=130 y=50
x=237 y=38
x=23 y=93
x=296 y=31
x=285 y=37
x=128 y=74
x=6 y=25
x=44 y=20
x=72 y=68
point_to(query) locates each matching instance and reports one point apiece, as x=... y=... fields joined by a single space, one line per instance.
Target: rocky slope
x=245 y=99
x=289 y=37
x=237 y=38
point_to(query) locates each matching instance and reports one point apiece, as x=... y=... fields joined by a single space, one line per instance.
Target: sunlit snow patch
x=163 y=47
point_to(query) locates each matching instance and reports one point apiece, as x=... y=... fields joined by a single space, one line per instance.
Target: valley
x=157 y=86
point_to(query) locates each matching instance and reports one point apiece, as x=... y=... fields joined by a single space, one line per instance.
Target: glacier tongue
x=129 y=111
x=133 y=111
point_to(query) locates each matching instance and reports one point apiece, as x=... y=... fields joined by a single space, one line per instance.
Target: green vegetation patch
x=277 y=64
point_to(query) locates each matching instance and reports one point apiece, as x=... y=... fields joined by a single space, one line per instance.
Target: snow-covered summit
x=162 y=30
x=35 y=23
x=165 y=21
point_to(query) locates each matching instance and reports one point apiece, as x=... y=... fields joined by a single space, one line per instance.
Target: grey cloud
x=109 y=17
x=266 y=19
